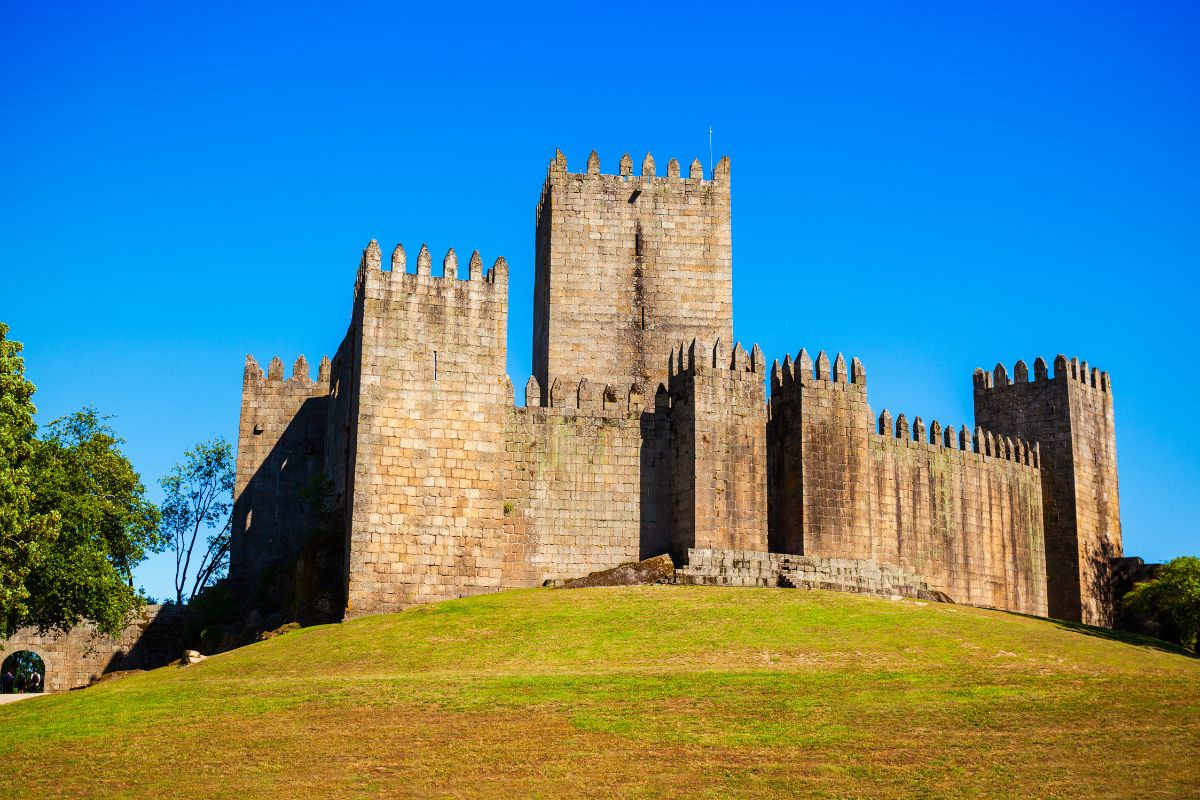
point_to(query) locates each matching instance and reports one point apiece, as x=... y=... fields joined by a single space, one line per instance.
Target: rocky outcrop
x=659 y=569
x=190 y=657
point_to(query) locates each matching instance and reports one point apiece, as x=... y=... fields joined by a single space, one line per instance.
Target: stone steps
x=756 y=569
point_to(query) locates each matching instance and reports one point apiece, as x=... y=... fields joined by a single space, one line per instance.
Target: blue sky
x=928 y=187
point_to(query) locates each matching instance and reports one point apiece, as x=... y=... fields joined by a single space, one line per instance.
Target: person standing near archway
x=8 y=682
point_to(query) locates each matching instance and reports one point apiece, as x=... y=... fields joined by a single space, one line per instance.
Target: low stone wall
x=81 y=655
x=752 y=568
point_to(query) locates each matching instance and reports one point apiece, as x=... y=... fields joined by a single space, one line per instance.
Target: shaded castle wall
x=718 y=450
x=341 y=426
x=580 y=482
x=281 y=442
x=968 y=521
x=426 y=510
x=627 y=266
x=1071 y=416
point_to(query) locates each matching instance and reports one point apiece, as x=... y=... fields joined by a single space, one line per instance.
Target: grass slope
x=635 y=692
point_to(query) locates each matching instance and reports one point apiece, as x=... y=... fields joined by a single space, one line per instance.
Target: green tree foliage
x=107 y=526
x=199 y=499
x=1173 y=598
x=24 y=533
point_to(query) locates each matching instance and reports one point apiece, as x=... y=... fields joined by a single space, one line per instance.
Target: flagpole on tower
x=710 y=166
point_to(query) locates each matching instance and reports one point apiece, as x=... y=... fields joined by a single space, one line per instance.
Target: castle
x=646 y=429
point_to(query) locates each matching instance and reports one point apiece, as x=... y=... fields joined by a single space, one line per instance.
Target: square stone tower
x=628 y=266
x=429 y=393
x=1071 y=416
x=718 y=462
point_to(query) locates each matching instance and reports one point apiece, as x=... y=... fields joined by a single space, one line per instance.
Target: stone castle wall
x=73 y=659
x=1070 y=414
x=579 y=482
x=281 y=444
x=969 y=522
x=961 y=509
x=756 y=568
x=627 y=267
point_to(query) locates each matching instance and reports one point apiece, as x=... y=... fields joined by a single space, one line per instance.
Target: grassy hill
x=636 y=692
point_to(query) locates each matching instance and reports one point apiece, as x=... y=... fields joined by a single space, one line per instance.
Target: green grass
x=636 y=692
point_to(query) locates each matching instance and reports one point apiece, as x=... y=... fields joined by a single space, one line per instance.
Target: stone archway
x=21 y=664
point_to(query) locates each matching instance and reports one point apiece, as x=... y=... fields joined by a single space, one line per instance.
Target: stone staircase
x=751 y=568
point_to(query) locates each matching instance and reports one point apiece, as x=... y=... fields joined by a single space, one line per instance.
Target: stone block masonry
x=962 y=510
x=627 y=267
x=718 y=449
x=646 y=430
x=573 y=480
x=1071 y=416
x=707 y=567
x=281 y=442
x=153 y=637
x=427 y=507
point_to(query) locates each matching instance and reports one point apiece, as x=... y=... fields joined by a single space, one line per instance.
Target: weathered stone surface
x=448 y=489
x=627 y=266
x=287 y=627
x=659 y=569
x=1070 y=417
x=845 y=485
x=717 y=567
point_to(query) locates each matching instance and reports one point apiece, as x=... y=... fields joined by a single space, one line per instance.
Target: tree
x=1172 y=597
x=24 y=533
x=107 y=526
x=199 y=498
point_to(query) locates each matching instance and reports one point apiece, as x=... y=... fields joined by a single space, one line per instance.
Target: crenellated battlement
x=398 y=276
x=301 y=373
x=979 y=442
x=585 y=396
x=1074 y=371
x=700 y=357
x=720 y=172
x=805 y=372
x=593 y=179
x=1070 y=414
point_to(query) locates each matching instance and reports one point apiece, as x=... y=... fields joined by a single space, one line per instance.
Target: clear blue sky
x=931 y=188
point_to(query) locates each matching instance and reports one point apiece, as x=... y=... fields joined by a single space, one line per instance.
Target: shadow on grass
x=1112 y=635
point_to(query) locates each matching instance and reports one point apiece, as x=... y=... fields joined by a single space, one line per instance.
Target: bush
x=1172 y=599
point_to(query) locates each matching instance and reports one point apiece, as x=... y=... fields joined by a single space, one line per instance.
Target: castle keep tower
x=1071 y=416
x=628 y=266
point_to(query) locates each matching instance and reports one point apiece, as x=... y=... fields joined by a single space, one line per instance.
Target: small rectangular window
x=435 y=365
